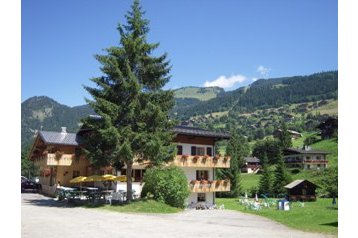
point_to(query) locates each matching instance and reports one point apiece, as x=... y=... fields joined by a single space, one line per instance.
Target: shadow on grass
x=332 y=208
x=334 y=224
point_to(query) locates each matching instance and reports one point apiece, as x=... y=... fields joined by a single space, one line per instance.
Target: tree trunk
x=129 y=181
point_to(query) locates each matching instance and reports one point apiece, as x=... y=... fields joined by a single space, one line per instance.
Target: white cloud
x=254 y=79
x=225 y=82
x=264 y=72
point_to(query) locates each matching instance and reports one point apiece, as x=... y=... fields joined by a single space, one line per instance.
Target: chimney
x=63 y=130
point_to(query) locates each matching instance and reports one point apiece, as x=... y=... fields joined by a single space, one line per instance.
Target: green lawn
x=317 y=216
x=249 y=181
x=141 y=206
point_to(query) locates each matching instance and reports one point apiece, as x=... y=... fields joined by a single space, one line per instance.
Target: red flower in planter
x=195 y=158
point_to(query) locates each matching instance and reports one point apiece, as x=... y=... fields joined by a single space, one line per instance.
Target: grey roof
x=300 y=151
x=297 y=182
x=52 y=137
x=252 y=160
x=188 y=130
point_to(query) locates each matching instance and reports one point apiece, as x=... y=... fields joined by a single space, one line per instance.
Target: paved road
x=44 y=217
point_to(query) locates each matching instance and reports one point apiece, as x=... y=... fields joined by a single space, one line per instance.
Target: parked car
x=29 y=185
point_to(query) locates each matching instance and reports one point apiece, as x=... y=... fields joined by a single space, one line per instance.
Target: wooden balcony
x=201 y=161
x=63 y=160
x=315 y=161
x=205 y=186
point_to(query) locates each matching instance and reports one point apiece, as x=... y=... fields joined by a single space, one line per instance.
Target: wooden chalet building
x=251 y=165
x=305 y=158
x=293 y=134
x=301 y=190
x=57 y=155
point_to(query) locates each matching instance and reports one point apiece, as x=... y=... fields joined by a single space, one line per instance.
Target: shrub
x=167 y=184
x=295 y=171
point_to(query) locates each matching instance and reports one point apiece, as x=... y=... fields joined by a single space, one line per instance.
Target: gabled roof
x=252 y=160
x=297 y=182
x=195 y=131
x=52 y=137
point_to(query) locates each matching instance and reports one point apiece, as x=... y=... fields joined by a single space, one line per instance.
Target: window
x=202 y=174
x=197 y=150
x=75 y=173
x=209 y=151
x=201 y=197
x=179 y=149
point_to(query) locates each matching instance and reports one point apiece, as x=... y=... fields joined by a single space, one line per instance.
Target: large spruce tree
x=281 y=177
x=133 y=108
x=265 y=183
x=237 y=149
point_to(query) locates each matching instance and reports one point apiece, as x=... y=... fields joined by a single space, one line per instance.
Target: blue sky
x=227 y=43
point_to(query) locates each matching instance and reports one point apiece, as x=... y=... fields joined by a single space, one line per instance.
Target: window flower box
x=195 y=158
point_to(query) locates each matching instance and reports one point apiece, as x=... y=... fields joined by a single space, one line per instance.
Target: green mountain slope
x=200 y=93
x=269 y=93
x=45 y=113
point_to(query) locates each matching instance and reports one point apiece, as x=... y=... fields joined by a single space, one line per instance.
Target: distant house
x=305 y=158
x=251 y=165
x=328 y=127
x=293 y=134
x=301 y=190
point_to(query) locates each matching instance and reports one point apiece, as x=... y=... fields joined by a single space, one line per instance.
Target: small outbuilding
x=301 y=190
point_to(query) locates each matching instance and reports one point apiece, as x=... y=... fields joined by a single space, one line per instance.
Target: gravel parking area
x=45 y=217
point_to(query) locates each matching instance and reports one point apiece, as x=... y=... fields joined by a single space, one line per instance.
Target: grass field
x=249 y=181
x=317 y=216
x=142 y=206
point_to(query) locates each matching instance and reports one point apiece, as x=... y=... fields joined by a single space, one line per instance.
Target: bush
x=295 y=171
x=166 y=184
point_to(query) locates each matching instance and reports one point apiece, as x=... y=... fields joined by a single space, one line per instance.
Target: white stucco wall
x=191 y=172
x=187 y=148
x=191 y=175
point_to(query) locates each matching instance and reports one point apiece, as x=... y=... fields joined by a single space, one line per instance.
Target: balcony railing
x=203 y=186
x=315 y=161
x=63 y=160
x=202 y=161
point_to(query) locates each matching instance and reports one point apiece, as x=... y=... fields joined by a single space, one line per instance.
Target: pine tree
x=265 y=183
x=281 y=178
x=284 y=136
x=237 y=148
x=134 y=109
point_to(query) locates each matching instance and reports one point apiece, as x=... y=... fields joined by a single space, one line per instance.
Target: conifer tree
x=237 y=149
x=281 y=178
x=129 y=99
x=265 y=183
x=284 y=136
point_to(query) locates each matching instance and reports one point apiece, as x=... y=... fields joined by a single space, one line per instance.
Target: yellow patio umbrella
x=78 y=179
x=121 y=178
x=94 y=178
x=108 y=177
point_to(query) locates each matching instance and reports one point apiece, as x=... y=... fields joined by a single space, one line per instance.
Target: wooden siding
x=194 y=140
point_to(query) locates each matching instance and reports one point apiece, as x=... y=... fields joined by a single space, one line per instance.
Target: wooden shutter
x=209 y=151
x=193 y=150
x=180 y=149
